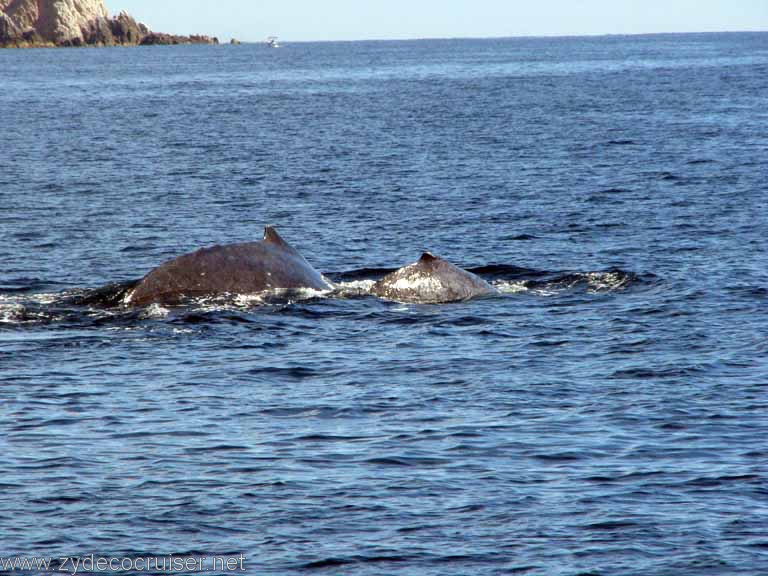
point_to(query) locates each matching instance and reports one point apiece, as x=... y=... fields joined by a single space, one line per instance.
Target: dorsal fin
x=427 y=257
x=271 y=236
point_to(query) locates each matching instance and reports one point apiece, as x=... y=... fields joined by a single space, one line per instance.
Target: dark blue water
x=607 y=414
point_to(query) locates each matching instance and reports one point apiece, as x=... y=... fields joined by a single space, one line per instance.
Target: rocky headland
x=41 y=23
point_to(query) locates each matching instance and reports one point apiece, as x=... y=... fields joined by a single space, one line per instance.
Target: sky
x=309 y=20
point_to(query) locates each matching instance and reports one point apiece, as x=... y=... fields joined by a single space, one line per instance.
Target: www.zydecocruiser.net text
x=93 y=564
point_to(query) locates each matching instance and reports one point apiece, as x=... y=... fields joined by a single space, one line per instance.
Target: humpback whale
x=431 y=280
x=244 y=268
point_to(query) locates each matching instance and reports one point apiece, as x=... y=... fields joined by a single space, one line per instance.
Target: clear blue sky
x=295 y=20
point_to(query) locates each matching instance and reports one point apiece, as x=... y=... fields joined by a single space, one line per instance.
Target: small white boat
x=272 y=42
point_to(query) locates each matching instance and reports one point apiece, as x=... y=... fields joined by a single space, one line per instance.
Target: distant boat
x=272 y=42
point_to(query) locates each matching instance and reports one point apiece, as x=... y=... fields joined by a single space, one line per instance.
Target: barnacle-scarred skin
x=431 y=280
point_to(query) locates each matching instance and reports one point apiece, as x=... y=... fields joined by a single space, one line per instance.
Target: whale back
x=431 y=280
x=245 y=268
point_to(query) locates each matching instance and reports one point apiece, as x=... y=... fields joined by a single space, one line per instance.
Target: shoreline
x=150 y=40
x=37 y=24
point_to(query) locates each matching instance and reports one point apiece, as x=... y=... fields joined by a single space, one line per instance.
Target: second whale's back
x=431 y=280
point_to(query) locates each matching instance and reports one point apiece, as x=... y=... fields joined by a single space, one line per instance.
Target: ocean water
x=606 y=414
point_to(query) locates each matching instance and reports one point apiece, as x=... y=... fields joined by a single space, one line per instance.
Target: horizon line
x=521 y=36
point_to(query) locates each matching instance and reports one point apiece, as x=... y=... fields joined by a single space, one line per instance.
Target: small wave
x=506 y=272
x=608 y=281
x=613 y=280
x=43 y=298
x=407 y=461
x=715 y=481
x=360 y=274
x=316 y=437
x=337 y=562
x=248 y=300
x=57 y=500
x=155 y=311
x=112 y=294
x=33 y=310
x=565 y=456
x=508 y=287
x=275 y=296
x=353 y=289
x=12 y=313
x=292 y=295
x=748 y=292
x=643 y=373
x=668 y=176
x=21 y=285
x=239 y=302
x=290 y=372
x=611 y=525
x=613 y=191
x=521 y=237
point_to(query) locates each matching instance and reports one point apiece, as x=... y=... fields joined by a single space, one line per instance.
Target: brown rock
x=77 y=23
x=24 y=13
x=64 y=21
x=158 y=38
x=126 y=30
x=9 y=32
x=60 y=22
x=100 y=33
x=32 y=38
x=155 y=38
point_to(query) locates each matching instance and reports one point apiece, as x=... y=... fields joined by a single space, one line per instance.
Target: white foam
x=177 y=330
x=155 y=311
x=354 y=288
x=248 y=300
x=12 y=313
x=237 y=301
x=508 y=287
x=309 y=292
x=46 y=298
x=41 y=298
x=600 y=281
x=328 y=281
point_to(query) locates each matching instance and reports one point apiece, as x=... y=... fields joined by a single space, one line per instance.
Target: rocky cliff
x=29 y=23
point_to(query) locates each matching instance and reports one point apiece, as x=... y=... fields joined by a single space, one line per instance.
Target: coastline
x=55 y=24
x=40 y=45
x=152 y=39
